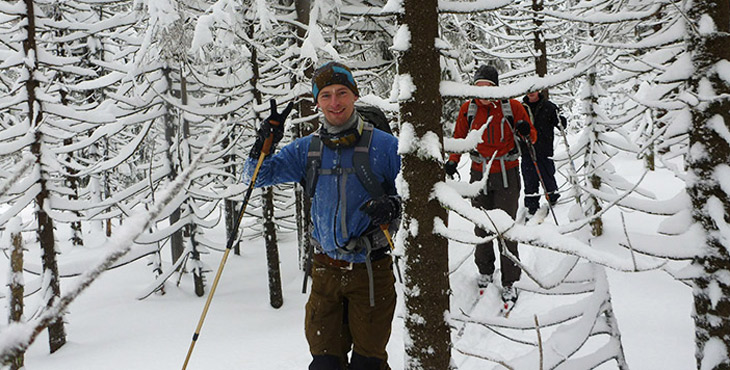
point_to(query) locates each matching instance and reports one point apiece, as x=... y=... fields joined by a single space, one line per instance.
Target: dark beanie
x=333 y=73
x=489 y=73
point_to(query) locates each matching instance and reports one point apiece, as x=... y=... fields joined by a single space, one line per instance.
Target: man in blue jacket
x=353 y=298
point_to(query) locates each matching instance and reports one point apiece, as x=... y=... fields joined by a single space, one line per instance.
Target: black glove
x=272 y=125
x=563 y=122
x=523 y=128
x=450 y=168
x=383 y=210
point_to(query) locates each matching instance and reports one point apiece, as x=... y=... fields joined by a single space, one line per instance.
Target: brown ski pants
x=339 y=315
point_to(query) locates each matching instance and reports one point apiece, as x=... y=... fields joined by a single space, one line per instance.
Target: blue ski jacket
x=336 y=219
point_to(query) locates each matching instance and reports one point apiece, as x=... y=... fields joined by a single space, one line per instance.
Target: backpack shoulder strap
x=470 y=113
x=361 y=163
x=507 y=112
x=516 y=152
x=314 y=162
x=529 y=112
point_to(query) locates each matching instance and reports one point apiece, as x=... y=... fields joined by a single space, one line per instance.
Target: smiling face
x=337 y=103
x=533 y=96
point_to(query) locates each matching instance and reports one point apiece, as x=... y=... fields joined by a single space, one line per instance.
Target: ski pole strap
x=307 y=267
x=397 y=268
x=504 y=174
x=369 y=267
x=343 y=201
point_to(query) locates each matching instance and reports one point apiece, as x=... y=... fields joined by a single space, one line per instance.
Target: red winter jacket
x=497 y=136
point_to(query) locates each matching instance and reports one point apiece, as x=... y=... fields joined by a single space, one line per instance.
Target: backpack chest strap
x=360 y=164
x=336 y=171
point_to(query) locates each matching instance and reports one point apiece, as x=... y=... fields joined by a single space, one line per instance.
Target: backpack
x=506 y=111
x=374 y=118
x=516 y=152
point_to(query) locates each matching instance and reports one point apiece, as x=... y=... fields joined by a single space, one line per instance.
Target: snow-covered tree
x=185 y=85
x=708 y=185
x=113 y=106
x=601 y=140
x=34 y=53
x=426 y=263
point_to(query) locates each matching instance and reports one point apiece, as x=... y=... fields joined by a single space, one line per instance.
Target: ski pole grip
x=384 y=228
x=266 y=148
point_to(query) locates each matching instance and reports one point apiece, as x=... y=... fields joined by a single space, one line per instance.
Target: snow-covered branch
x=17 y=337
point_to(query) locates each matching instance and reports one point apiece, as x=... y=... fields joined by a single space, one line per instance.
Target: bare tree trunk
x=267 y=204
x=176 y=239
x=16 y=291
x=593 y=204
x=45 y=233
x=541 y=58
x=108 y=192
x=230 y=216
x=709 y=154
x=276 y=297
x=657 y=120
x=428 y=345
x=229 y=205
x=610 y=318
x=72 y=181
x=46 y=236
x=191 y=227
x=303 y=203
x=649 y=157
x=198 y=278
x=101 y=52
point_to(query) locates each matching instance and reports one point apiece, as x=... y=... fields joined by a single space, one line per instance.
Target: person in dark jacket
x=546 y=119
x=352 y=300
x=502 y=190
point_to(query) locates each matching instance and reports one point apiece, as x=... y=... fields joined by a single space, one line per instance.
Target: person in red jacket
x=503 y=183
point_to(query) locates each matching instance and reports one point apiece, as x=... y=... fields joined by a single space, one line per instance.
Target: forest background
x=125 y=126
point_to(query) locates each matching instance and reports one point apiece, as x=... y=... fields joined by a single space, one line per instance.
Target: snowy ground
x=109 y=328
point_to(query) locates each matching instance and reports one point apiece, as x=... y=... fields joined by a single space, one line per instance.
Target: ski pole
x=266 y=147
x=539 y=175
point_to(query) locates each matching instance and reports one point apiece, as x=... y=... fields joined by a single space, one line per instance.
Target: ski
x=539 y=216
x=480 y=293
x=508 y=298
x=506 y=309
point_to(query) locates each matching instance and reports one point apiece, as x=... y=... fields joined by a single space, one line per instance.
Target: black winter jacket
x=545 y=119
